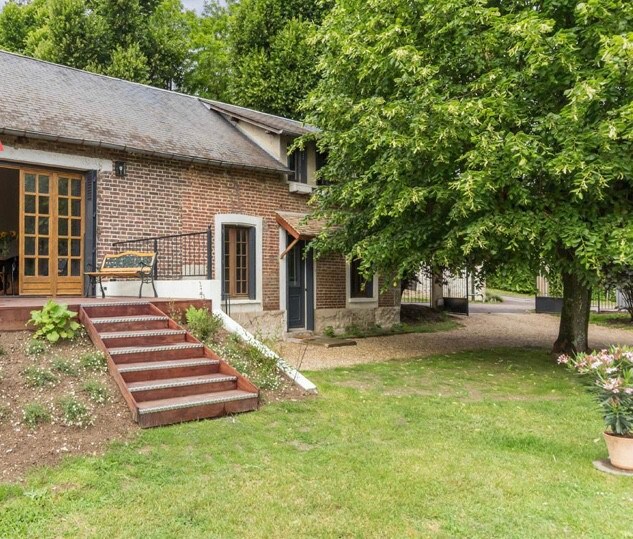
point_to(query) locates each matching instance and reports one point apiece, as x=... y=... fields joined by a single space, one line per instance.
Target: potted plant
x=612 y=374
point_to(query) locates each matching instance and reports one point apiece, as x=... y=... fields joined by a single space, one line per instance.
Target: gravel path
x=478 y=331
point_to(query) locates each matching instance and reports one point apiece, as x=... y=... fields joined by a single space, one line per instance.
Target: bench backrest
x=133 y=261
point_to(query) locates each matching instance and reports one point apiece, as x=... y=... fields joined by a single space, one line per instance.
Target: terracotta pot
x=620 y=450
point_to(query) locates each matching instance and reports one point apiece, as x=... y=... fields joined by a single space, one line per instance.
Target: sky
x=189 y=4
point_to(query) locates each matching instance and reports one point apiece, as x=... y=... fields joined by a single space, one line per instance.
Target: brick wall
x=330 y=282
x=161 y=196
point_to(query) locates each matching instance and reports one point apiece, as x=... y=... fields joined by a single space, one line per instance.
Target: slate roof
x=47 y=101
x=276 y=124
x=299 y=225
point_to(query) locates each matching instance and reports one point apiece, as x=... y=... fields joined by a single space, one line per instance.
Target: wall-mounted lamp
x=119 y=169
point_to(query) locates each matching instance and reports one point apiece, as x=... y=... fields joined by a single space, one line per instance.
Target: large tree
x=483 y=133
x=141 y=40
x=273 y=65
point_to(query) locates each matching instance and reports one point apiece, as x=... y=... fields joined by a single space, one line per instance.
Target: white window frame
x=359 y=302
x=236 y=219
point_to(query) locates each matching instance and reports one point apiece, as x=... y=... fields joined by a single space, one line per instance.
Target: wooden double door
x=51 y=233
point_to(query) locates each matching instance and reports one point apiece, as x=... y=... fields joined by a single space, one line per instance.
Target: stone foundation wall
x=262 y=324
x=363 y=318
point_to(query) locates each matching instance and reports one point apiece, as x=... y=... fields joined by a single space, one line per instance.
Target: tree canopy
x=481 y=133
x=141 y=40
x=255 y=53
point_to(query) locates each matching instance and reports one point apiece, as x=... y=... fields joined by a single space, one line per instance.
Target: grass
x=612 y=320
x=355 y=332
x=478 y=445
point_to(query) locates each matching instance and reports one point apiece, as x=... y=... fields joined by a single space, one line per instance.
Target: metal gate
x=457 y=289
x=549 y=298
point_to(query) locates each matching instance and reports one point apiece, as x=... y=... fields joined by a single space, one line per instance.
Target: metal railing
x=178 y=256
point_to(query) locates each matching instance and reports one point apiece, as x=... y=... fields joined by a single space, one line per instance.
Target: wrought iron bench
x=126 y=265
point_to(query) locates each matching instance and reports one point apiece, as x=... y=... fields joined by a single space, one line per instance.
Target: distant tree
x=480 y=133
x=17 y=20
x=209 y=65
x=140 y=40
x=273 y=63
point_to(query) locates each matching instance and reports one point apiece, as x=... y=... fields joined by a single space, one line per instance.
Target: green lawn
x=612 y=320
x=486 y=444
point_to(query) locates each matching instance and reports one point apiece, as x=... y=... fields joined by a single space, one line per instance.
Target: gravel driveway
x=478 y=331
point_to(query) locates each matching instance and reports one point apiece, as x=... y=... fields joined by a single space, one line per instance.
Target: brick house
x=89 y=162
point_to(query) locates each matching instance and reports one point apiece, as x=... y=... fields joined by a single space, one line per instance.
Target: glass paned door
x=51 y=235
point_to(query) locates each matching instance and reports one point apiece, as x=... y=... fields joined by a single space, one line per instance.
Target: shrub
x=328 y=331
x=93 y=361
x=2 y=350
x=251 y=362
x=612 y=374
x=352 y=330
x=54 y=322
x=74 y=412
x=35 y=347
x=96 y=391
x=64 y=366
x=203 y=324
x=35 y=414
x=39 y=377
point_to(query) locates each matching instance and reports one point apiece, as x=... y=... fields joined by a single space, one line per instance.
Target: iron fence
x=178 y=256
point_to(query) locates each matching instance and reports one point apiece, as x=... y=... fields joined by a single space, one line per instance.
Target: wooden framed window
x=239 y=261
x=359 y=286
x=298 y=162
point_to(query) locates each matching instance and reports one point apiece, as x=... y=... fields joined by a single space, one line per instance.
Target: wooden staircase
x=164 y=373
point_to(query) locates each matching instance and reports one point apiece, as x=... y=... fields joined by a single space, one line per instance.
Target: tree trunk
x=574 y=319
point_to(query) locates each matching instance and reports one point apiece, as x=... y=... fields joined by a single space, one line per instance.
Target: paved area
x=510 y=304
x=478 y=331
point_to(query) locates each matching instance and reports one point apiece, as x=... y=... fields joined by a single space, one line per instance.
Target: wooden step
x=162 y=370
x=120 y=339
x=130 y=323
x=191 y=407
x=164 y=352
x=177 y=387
x=164 y=373
x=99 y=310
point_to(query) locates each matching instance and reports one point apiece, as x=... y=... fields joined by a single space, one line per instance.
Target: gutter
x=130 y=149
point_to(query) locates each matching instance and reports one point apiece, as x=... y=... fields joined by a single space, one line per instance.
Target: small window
x=359 y=286
x=298 y=163
x=238 y=260
x=321 y=161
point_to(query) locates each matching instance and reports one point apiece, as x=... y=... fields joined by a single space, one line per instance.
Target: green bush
x=54 y=322
x=96 y=391
x=203 y=324
x=94 y=361
x=35 y=414
x=74 y=412
x=64 y=366
x=251 y=362
x=352 y=330
x=328 y=331
x=2 y=350
x=35 y=347
x=39 y=377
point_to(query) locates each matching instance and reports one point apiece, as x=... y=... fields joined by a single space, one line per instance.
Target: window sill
x=362 y=300
x=243 y=301
x=300 y=188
